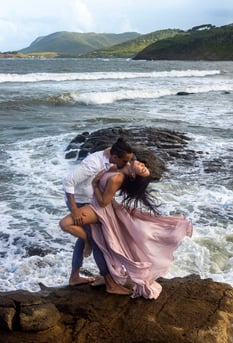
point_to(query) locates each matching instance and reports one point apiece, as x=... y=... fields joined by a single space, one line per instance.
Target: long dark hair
x=134 y=191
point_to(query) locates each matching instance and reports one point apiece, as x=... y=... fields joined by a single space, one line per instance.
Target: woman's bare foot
x=87 y=249
x=120 y=290
x=99 y=281
x=114 y=288
x=75 y=279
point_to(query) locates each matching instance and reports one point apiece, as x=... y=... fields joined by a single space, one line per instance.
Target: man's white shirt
x=78 y=180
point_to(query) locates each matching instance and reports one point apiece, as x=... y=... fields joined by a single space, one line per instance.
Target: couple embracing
x=131 y=246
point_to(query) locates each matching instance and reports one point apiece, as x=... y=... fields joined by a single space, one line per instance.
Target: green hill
x=204 y=42
x=73 y=43
x=131 y=47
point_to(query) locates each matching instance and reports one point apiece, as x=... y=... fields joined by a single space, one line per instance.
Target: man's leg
x=77 y=261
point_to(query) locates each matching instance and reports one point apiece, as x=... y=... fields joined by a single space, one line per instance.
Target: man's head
x=120 y=153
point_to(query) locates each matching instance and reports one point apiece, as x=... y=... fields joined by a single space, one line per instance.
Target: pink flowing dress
x=137 y=245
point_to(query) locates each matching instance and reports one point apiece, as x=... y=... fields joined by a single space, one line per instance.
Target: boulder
x=155 y=147
x=188 y=310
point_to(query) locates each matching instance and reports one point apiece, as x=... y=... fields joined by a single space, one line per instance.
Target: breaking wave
x=99 y=98
x=59 y=77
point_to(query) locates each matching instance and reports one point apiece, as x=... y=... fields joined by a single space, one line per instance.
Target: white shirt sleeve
x=88 y=168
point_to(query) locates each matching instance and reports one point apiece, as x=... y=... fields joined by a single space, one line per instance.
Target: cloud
x=76 y=17
x=22 y=21
x=83 y=16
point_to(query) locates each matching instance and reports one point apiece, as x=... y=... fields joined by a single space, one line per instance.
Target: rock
x=38 y=317
x=36 y=250
x=188 y=310
x=152 y=146
x=7 y=314
x=183 y=93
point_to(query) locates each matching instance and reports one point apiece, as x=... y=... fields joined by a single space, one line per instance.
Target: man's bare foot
x=74 y=281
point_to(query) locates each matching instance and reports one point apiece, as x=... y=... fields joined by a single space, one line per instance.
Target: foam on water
x=38 y=167
x=108 y=97
x=209 y=252
x=38 y=77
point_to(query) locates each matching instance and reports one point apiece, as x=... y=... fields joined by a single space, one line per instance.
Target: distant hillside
x=204 y=42
x=73 y=43
x=131 y=47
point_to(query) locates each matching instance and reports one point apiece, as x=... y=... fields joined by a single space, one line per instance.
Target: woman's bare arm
x=113 y=185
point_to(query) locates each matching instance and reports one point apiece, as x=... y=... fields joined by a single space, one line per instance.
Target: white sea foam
x=98 y=98
x=38 y=77
x=111 y=97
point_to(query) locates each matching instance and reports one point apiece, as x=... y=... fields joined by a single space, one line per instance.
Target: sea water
x=44 y=103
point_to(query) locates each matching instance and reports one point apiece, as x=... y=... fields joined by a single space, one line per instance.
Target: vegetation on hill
x=16 y=54
x=73 y=43
x=131 y=47
x=204 y=42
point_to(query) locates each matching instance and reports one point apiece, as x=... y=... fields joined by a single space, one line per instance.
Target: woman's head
x=134 y=188
x=138 y=168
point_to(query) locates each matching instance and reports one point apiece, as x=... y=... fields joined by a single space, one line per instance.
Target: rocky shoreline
x=188 y=310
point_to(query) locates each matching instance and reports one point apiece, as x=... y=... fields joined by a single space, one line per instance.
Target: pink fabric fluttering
x=137 y=245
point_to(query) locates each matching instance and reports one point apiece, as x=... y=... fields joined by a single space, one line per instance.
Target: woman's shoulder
x=115 y=176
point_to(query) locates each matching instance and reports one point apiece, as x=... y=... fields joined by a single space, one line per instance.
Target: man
x=78 y=189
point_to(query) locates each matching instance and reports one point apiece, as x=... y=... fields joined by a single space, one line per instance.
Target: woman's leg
x=88 y=217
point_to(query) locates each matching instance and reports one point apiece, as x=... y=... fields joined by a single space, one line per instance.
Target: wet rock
x=7 y=314
x=213 y=166
x=36 y=251
x=183 y=93
x=38 y=317
x=152 y=146
x=188 y=310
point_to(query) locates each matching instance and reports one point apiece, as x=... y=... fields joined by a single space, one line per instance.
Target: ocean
x=44 y=103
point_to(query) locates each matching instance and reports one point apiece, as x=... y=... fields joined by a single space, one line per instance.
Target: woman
x=136 y=244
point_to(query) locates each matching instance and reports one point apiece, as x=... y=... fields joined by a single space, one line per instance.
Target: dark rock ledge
x=188 y=310
x=155 y=147
x=152 y=146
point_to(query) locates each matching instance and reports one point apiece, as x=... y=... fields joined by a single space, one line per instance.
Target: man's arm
x=75 y=211
x=86 y=169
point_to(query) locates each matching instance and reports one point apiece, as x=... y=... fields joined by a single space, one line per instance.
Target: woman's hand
x=113 y=168
x=96 y=180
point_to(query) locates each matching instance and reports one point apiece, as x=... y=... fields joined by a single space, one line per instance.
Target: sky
x=22 y=21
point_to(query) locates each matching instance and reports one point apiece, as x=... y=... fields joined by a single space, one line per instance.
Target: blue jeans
x=77 y=259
